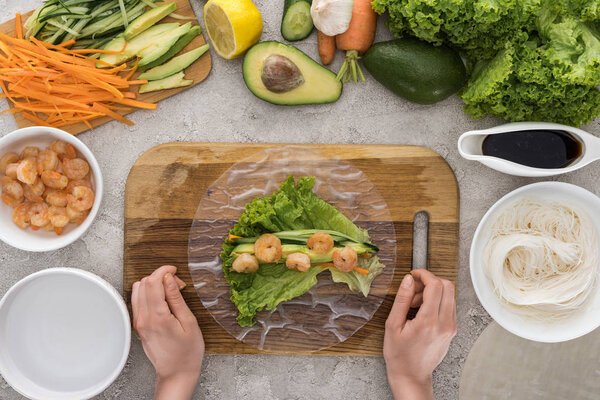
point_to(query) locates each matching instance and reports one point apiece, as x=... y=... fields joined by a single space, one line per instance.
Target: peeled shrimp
x=11 y=170
x=82 y=198
x=298 y=262
x=38 y=213
x=21 y=216
x=11 y=201
x=75 y=168
x=346 y=259
x=57 y=198
x=268 y=248
x=76 y=216
x=11 y=188
x=58 y=216
x=245 y=263
x=320 y=242
x=78 y=182
x=34 y=192
x=63 y=149
x=6 y=159
x=27 y=171
x=47 y=160
x=29 y=152
x=54 y=180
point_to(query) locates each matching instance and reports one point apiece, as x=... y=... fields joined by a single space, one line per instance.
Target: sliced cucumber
x=173 y=81
x=296 y=23
x=157 y=48
x=143 y=40
x=147 y=19
x=176 y=48
x=176 y=64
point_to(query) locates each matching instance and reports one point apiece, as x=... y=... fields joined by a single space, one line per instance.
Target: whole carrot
x=357 y=39
x=326 y=47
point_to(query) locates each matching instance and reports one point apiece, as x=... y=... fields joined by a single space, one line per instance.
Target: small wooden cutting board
x=198 y=71
x=166 y=184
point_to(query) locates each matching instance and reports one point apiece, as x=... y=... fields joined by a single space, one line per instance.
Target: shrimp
x=54 y=180
x=11 y=170
x=63 y=149
x=78 y=182
x=346 y=259
x=48 y=227
x=245 y=264
x=8 y=158
x=11 y=188
x=58 y=216
x=11 y=201
x=298 y=262
x=81 y=199
x=57 y=198
x=38 y=214
x=21 y=216
x=34 y=192
x=59 y=168
x=76 y=216
x=75 y=168
x=47 y=160
x=320 y=242
x=27 y=171
x=29 y=152
x=268 y=248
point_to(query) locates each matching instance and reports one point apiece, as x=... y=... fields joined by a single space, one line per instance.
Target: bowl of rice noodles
x=535 y=262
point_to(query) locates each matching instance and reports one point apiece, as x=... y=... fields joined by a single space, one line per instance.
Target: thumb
x=176 y=301
x=404 y=297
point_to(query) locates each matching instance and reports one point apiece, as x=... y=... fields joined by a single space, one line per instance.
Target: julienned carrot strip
x=137 y=103
x=111 y=114
x=34 y=119
x=325 y=265
x=361 y=270
x=19 y=26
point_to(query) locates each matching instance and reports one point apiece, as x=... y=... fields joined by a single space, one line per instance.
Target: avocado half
x=307 y=81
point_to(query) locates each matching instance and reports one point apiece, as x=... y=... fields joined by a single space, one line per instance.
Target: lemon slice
x=233 y=26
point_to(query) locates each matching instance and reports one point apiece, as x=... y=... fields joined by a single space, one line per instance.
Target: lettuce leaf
x=294 y=206
x=356 y=281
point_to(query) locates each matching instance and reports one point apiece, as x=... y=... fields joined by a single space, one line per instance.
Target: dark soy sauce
x=548 y=149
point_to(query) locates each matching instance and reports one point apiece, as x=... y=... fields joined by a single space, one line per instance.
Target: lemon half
x=233 y=26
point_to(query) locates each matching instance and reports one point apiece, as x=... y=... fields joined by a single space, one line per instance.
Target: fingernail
x=170 y=281
x=407 y=281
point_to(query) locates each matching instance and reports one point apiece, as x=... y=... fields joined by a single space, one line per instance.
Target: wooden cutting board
x=198 y=71
x=166 y=184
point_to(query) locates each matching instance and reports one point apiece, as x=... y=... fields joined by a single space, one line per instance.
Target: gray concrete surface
x=222 y=110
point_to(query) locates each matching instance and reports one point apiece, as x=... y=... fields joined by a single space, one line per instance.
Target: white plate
x=572 y=327
x=40 y=240
x=64 y=334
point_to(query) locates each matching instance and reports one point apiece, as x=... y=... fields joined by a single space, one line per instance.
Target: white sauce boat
x=470 y=148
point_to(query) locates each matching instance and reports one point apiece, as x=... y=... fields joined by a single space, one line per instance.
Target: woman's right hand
x=169 y=332
x=413 y=349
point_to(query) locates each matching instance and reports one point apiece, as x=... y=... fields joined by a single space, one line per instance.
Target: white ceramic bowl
x=65 y=334
x=40 y=240
x=580 y=323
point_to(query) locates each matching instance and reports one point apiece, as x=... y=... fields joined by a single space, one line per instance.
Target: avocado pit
x=280 y=74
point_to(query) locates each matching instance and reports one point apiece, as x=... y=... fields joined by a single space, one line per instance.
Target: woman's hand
x=413 y=349
x=169 y=332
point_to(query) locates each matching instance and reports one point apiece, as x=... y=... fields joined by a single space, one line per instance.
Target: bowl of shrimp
x=51 y=188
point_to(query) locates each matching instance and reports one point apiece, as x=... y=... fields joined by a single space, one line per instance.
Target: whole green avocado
x=416 y=70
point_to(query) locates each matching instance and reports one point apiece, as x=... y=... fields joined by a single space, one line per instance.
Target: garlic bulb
x=332 y=17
